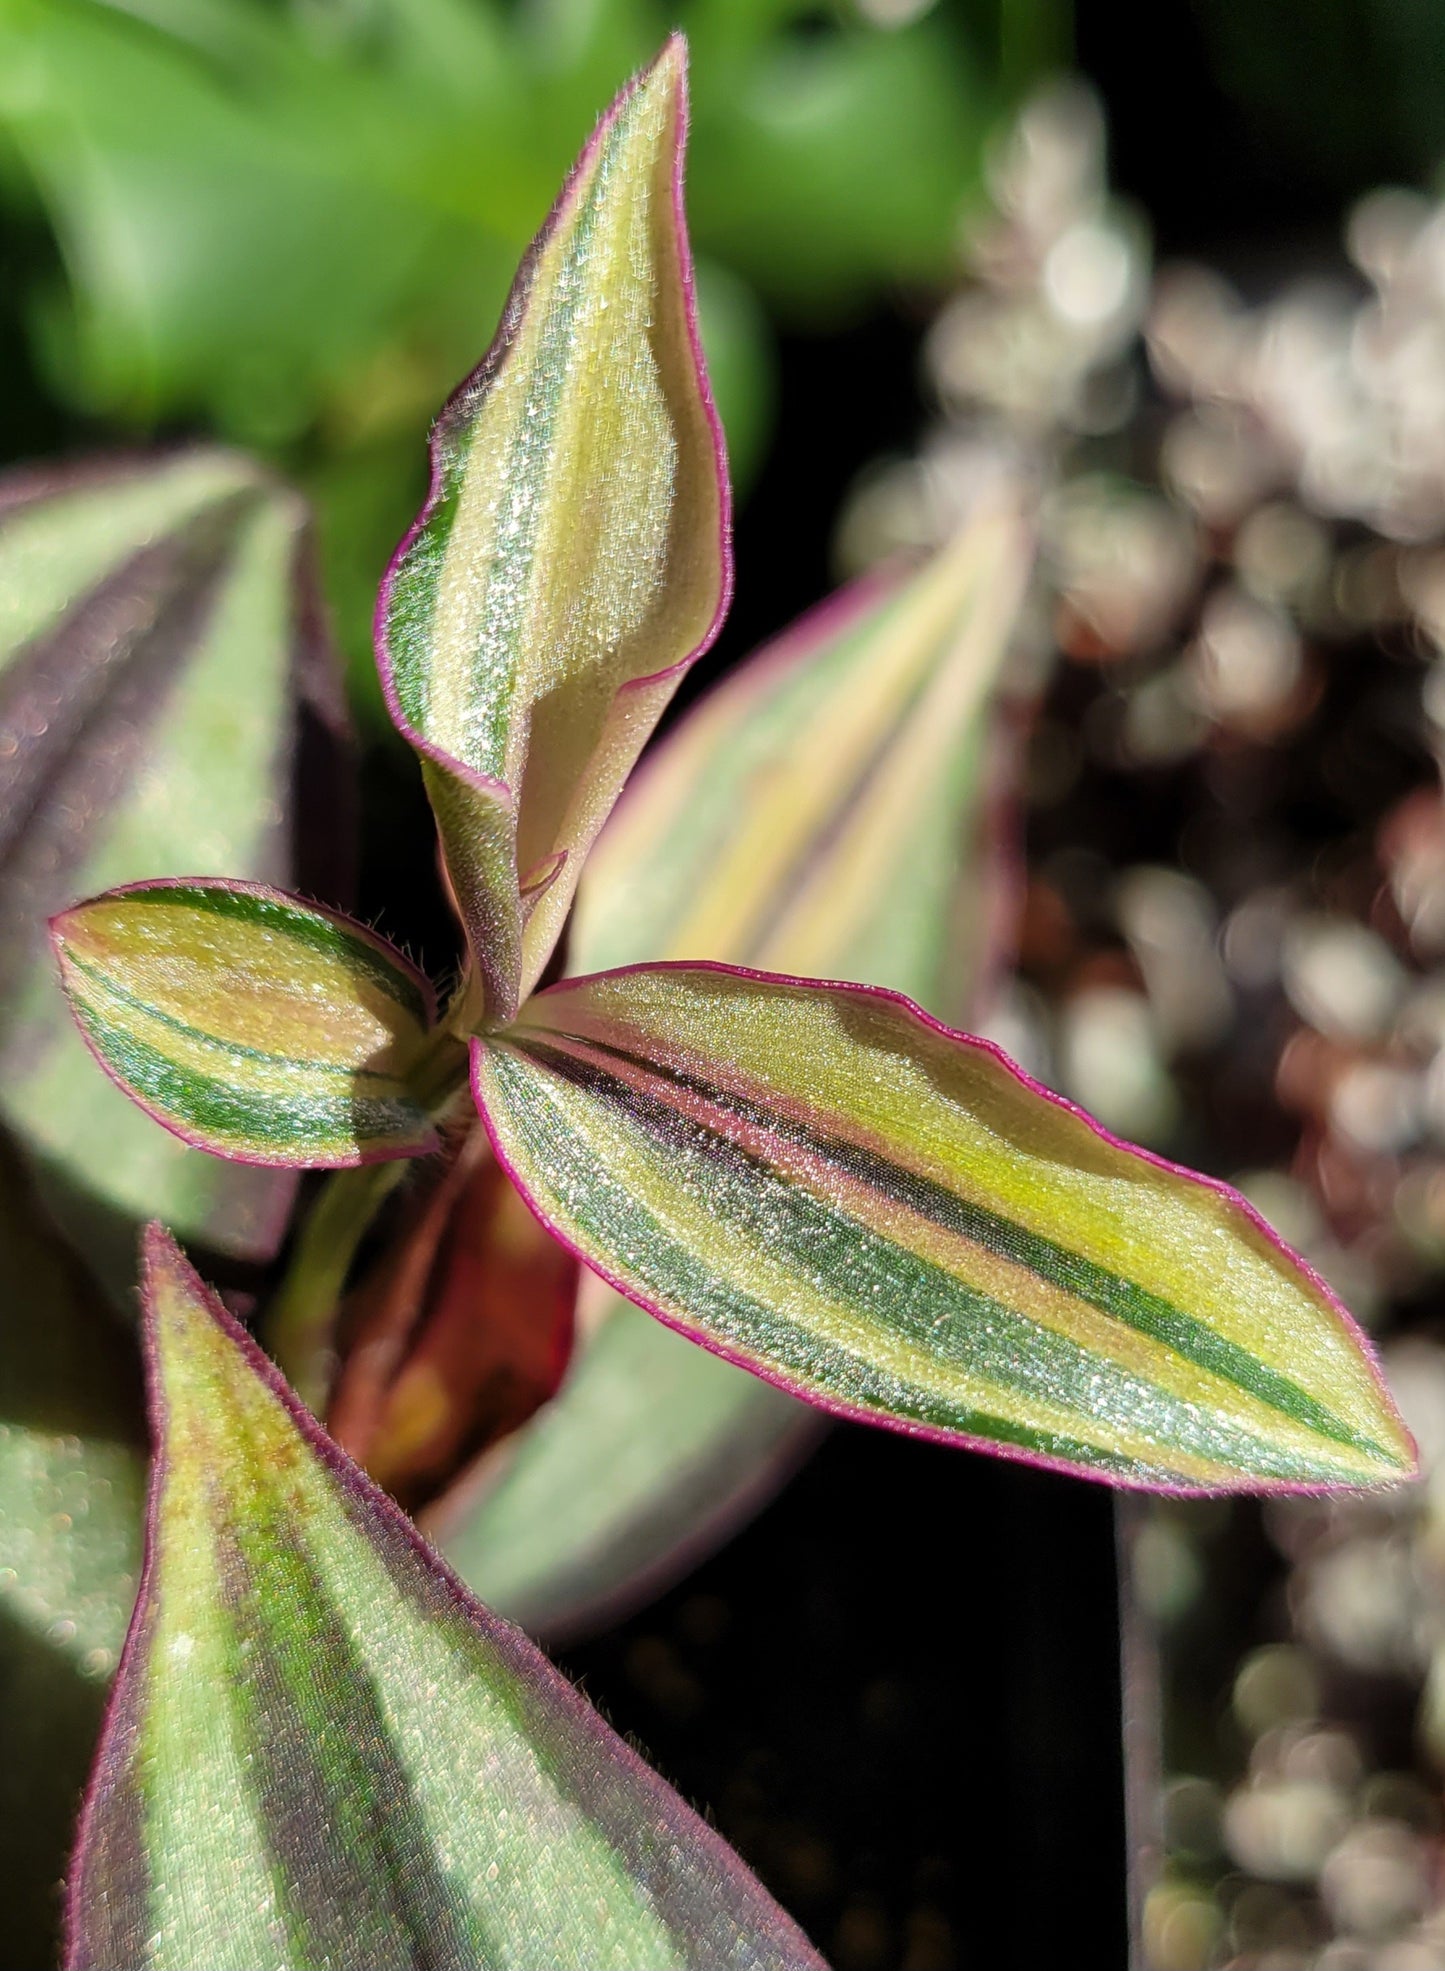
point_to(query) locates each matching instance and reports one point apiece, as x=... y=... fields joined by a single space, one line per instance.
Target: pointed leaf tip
x=887 y=1217
x=322 y=1752
x=573 y=555
x=249 y=1023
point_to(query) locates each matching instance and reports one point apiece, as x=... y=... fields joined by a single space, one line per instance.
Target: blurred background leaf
x=296 y=224
x=72 y=1487
x=166 y=707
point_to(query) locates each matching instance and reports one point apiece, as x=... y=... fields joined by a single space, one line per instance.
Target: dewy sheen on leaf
x=572 y=558
x=828 y=1186
x=322 y=1754
x=249 y=1023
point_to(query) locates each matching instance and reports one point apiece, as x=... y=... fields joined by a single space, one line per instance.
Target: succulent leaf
x=167 y=706
x=867 y=739
x=821 y=809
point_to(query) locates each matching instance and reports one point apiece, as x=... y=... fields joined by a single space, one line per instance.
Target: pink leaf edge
x=910 y=1427
x=161 y=1253
x=457 y=407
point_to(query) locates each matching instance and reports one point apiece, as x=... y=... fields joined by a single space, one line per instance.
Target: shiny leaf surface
x=828 y=1186
x=251 y=1024
x=390 y=1776
x=166 y=707
x=572 y=557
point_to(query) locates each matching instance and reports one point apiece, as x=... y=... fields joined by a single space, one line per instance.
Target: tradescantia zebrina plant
x=322 y=1753
x=815 y=1180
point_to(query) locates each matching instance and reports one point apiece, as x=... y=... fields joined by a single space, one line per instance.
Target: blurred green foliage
x=293 y=221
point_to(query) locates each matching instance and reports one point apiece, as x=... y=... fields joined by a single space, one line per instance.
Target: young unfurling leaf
x=322 y=1753
x=884 y=1215
x=249 y=1023
x=572 y=557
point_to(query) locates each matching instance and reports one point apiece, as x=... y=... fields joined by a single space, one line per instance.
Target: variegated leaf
x=572 y=557
x=166 y=706
x=251 y=1024
x=835 y=790
x=818 y=812
x=322 y=1753
x=828 y=1186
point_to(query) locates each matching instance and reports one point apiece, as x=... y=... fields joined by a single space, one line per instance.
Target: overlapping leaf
x=251 y=1024
x=462 y=1330
x=572 y=557
x=885 y=1215
x=835 y=788
x=166 y=708
x=322 y=1753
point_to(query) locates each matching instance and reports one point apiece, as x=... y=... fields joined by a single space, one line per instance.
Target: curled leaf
x=572 y=557
x=321 y=1752
x=885 y=1215
x=167 y=705
x=251 y=1024
x=459 y=1334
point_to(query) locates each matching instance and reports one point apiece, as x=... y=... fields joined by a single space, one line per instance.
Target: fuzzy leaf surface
x=885 y=1215
x=391 y=1776
x=572 y=556
x=251 y=1024
x=833 y=791
x=167 y=707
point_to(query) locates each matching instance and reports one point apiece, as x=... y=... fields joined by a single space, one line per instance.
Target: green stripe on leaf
x=252 y=1024
x=322 y=1752
x=826 y=809
x=572 y=557
x=133 y=596
x=886 y=1217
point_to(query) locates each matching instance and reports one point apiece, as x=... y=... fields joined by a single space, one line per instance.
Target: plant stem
x=300 y=1324
x=301 y=1320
